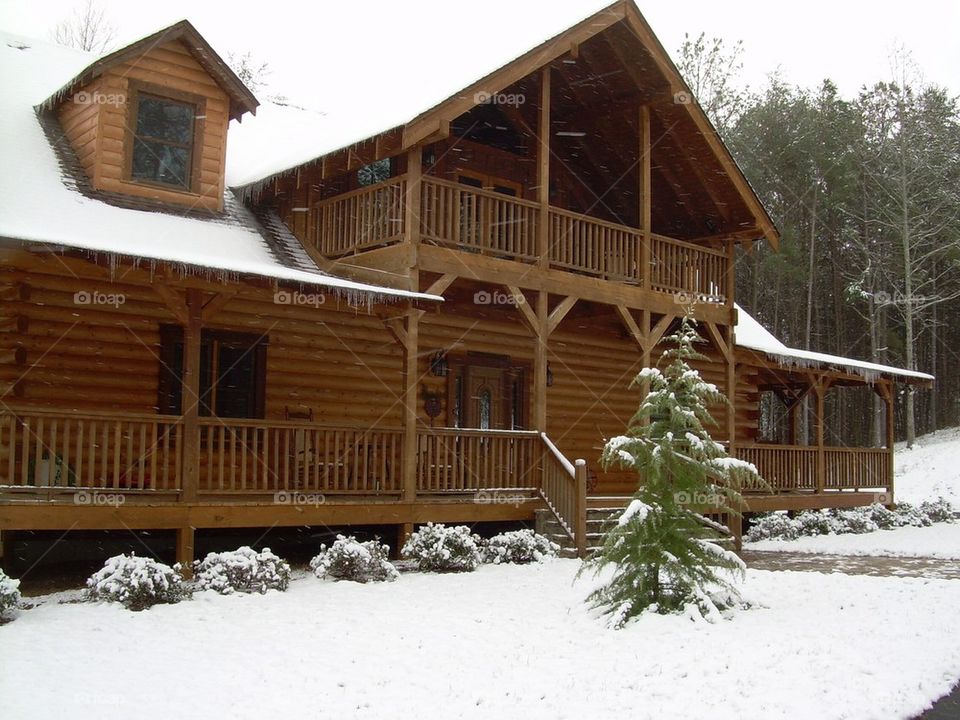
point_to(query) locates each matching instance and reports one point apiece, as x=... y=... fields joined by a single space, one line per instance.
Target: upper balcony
x=490 y=223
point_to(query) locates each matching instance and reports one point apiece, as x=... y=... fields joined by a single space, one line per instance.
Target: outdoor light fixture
x=438 y=364
x=549 y=376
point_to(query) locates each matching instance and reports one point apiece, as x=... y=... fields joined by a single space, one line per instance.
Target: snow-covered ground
x=930 y=469
x=503 y=642
x=941 y=540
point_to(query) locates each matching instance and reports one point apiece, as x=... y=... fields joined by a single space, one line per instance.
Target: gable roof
x=751 y=335
x=45 y=198
x=431 y=95
x=241 y=99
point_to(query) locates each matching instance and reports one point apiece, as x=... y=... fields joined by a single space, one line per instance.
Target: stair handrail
x=568 y=501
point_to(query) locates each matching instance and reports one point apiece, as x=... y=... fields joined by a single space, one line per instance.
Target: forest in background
x=865 y=192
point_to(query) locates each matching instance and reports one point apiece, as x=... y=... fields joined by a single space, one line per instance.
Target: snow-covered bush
x=855 y=521
x=243 y=570
x=136 y=582
x=438 y=548
x=520 y=547
x=939 y=510
x=772 y=526
x=909 y=515
x=9 y=593
x=816 y=522
x=350 y=559
x=884 y=518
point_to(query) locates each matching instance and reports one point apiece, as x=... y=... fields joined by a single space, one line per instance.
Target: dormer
x=150 y=120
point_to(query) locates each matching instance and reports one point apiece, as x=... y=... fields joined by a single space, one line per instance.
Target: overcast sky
x=849 y=41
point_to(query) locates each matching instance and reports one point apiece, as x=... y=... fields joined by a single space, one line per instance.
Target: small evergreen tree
x=664 y=552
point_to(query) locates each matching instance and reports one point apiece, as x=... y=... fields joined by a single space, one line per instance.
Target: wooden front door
x=484 y=399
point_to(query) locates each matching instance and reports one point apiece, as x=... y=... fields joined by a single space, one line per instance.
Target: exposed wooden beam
x=523 y=306
x=543 y=169
x=560 y=312
x=644 y=195
x=217 y=303
x=428 y=123
x=641 y=29
x=631 y=325
x=172 y=299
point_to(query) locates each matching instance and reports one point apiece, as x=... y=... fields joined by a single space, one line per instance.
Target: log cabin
x=430 y=313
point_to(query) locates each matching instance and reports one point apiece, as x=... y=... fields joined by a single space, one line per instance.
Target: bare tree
x=251 y=71
x=87 y=29
x=712 y=70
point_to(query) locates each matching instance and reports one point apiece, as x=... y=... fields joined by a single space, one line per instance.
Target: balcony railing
x=485 y=222
x=364 y=219
x=481 y=221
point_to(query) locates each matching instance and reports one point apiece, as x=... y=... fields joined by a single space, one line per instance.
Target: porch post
x=890 y=419
x=540 y=339
x=410 y=376
x=543 y=171
x=644 y=196
x=411 y=335
x=820 y=389
x=580 y=521
x=190 y=396
x=186 y=537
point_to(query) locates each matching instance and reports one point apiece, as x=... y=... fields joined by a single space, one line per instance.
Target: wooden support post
x=404 y=531
x=646 y=206
x=820 y=390
x=735 y=525
x=410 y=377
x=731 y=279
x=543 y=170
x=540 y=364
x=186 y=537
x=890 y=418
x=731 y=392
x=580 y=521
x=190 y=396
x=411 y=323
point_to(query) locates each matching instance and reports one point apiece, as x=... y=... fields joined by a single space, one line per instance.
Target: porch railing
x=360 y=220
x=458 y=460
x=857 y=468
x=795 y=468
x=48 y=449
x=247 y=456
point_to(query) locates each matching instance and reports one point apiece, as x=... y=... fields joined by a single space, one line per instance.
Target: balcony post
x=190 y=396
x=411 y=334
x=543 y=171
x=646 y=207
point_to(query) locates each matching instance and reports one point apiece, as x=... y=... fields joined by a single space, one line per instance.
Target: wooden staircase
x=598 y=520
x=601 y=513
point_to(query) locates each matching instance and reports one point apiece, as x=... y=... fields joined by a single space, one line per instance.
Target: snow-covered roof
x=40 y=202
x=380 y=96
x=752 y=335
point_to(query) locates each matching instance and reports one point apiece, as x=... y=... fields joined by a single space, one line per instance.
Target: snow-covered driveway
x=504 y=642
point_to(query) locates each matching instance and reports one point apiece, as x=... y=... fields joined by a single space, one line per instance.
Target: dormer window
x=165 y=139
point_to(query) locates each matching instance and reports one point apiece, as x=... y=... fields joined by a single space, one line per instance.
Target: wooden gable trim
x=241 y=99
x=431 y=121
x=636 y=22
